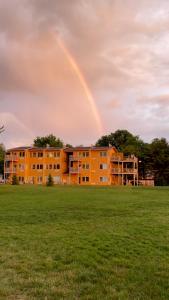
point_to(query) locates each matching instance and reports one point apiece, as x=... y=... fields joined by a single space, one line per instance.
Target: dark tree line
x=153 y=157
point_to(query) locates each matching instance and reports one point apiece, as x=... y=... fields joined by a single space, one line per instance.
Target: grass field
x=84 y=243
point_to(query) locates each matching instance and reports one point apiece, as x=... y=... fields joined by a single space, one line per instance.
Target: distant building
x=79 y=166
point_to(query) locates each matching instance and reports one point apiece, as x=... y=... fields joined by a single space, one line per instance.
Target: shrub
x=50 y=181
x=15 y=180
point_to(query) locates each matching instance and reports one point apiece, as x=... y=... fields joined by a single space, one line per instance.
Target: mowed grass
x=84 y=243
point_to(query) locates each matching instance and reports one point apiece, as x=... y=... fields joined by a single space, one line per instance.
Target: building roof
x=22 y=148
x=80 y=148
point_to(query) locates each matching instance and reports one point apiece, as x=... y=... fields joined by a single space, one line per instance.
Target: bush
x=15 y=180
x=50 y=181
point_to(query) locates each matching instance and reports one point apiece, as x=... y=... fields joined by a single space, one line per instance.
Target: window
x=56 y=166
x=57 y=179
x=21 y=179
x=40 y=179
x=103 y=166
x=33 y=154
x=57 y=154
x=33 y=167
x=85 y=166
x=50 y=167
x=85 y=179
x=84 y=154
x=39 y=167
x=40 y=154
x=22 y=154
x=21 y=167
x=103 y=153
x=103 y=179
x=31 y=180
x=49 y=154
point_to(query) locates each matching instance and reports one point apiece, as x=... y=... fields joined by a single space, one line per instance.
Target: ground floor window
x=57 y=179
x=39 y=179
x=31 y=180
x=103 y=179
x=21 y=179
x=85 y=179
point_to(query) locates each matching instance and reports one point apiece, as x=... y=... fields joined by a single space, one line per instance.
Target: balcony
x=130 y=159
x=74 y=170
x=74 y=158
x=124 y=171
x=10 y=170
x=116 y=158
x=123 y=159
x=10 y=157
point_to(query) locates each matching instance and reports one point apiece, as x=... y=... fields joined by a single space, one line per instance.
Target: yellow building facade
x=78 y=166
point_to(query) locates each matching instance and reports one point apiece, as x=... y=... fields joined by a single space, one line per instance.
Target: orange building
x=79 y=165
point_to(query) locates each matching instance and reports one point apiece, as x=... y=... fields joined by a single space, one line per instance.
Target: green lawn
x=84 y=243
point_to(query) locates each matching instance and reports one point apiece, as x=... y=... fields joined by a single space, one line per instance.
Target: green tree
x=50 y=181
x=123 y=140
x=15 y=180
x=49 y=140
x=159 y=161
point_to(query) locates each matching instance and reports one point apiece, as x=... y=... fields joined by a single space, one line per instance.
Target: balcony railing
x=124 y=171
x=74 y=158
x=123 y=159
x=10 y=170
x=116 y=158
x=74 y=170
x=11 y=157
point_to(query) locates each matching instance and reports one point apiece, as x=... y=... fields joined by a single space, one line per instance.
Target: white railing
x=130 y=158
x=73 y=170
x=10 y=170
x=74 y=158
x=11 y=157
x=124 y=171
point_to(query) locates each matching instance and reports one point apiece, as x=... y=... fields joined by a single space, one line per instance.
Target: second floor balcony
x=10 y=170
x=124 y=171
x=74 y=158
x=11 y=157
x=74 y=170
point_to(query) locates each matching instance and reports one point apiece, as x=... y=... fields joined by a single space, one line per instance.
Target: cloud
x=122 y=50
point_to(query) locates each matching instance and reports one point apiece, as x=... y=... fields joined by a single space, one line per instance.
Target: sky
x=81 y=69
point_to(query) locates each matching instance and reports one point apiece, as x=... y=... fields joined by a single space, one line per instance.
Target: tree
x=15 y=180
x=159 y=161
x=50 y=181
x=123 y=140
x=68 y=146
x=49 y=140
x=2 y=156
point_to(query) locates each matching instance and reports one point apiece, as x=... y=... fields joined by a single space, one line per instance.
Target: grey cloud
x=119 y=48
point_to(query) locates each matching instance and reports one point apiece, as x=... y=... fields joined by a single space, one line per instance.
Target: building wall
x=84 y=166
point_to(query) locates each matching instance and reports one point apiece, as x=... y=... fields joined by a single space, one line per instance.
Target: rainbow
x=83 y=83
